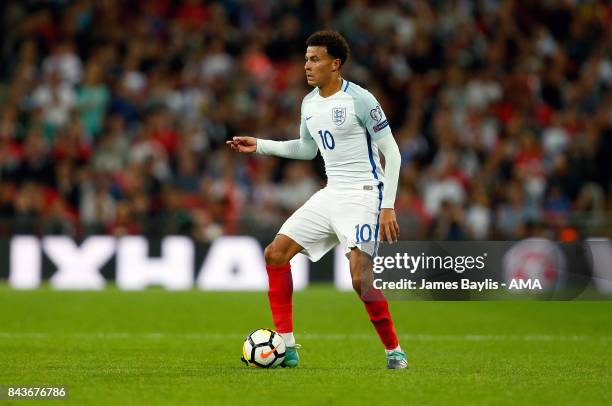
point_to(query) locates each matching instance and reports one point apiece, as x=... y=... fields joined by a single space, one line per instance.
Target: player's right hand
x=243 y=144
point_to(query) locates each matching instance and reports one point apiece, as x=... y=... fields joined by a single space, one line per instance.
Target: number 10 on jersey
x=327 y=139
x=363 y=233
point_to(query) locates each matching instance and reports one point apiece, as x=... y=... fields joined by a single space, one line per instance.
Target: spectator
x=111 y=115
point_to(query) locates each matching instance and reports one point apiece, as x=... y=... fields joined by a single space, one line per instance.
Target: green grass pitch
x=160 y=347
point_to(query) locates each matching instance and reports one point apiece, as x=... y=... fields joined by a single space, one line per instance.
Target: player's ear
x=336 y=65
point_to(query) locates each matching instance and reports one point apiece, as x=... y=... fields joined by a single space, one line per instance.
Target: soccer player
x=347 y=125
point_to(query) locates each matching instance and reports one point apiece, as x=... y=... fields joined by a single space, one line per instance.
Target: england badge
x=339 y=115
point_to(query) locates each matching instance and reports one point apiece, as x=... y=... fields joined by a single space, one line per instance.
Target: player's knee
x=274 y=255
x=356 y=279
x=361 y=272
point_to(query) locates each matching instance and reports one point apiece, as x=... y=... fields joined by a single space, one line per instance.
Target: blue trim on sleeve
x=370 y=154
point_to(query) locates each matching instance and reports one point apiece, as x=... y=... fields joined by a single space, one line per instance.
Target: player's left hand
x=389 y=229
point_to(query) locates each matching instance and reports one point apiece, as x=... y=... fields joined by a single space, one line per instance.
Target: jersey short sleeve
x=371 y=115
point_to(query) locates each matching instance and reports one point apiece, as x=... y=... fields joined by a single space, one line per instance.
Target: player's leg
x=355 y=221
x=377 y=307
x=278 y=254
x=308 y=231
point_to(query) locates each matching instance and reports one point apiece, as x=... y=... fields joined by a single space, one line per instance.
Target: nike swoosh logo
x=308 y=118
x=266 y=354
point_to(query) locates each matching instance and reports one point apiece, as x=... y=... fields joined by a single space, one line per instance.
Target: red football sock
x=280 y=291
x=378 y=310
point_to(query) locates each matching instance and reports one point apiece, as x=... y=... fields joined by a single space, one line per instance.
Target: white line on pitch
x=304 y=336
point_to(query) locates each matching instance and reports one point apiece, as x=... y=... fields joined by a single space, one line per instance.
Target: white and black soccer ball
x=263 y=348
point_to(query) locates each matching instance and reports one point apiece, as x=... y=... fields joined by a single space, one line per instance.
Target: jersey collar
x=345 y=84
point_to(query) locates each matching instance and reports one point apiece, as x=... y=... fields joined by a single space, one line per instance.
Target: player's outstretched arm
x=389 y=229
x=302 y=148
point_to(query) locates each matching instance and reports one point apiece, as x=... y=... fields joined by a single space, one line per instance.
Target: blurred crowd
x=114 y=114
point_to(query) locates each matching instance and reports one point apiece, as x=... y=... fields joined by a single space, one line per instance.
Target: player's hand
x=243 y=144
x=389 y=229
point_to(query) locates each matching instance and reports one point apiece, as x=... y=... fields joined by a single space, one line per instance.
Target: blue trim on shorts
x=376 y=242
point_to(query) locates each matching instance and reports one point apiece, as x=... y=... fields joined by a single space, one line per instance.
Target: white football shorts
x=347 y=216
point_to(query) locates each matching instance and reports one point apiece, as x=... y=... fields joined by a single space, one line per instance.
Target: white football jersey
x=343 y=125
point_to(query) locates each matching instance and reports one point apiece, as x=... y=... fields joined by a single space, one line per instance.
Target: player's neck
x=331 y=87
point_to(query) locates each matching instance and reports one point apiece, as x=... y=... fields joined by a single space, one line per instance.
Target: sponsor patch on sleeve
x=380 y=126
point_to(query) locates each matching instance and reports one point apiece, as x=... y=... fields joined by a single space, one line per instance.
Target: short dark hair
x=335 y=43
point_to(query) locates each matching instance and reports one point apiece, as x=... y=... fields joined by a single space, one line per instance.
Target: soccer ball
x=263 y=348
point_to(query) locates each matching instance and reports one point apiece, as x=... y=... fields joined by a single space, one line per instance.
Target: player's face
x=319 y=66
